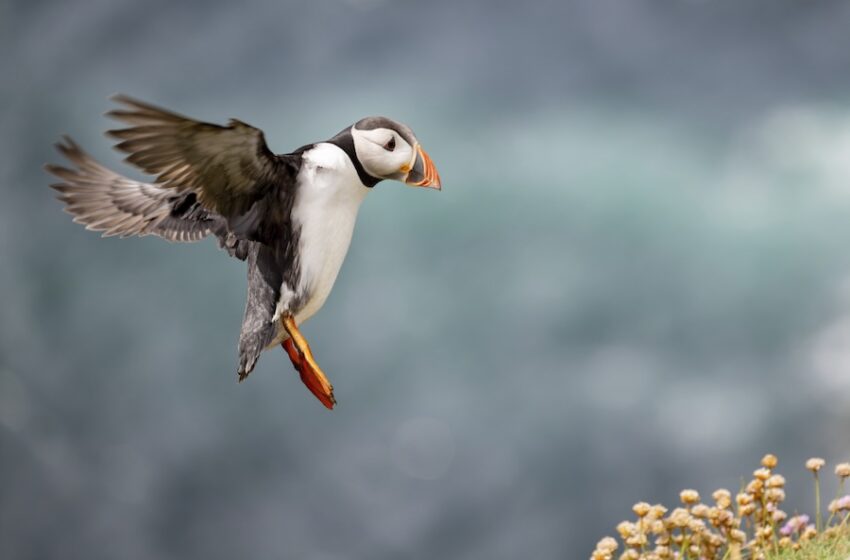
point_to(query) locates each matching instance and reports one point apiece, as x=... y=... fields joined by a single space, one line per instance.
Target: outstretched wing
x=230 y=168
x=103 y=200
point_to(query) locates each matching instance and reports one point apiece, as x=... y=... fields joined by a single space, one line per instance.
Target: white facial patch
x=382 y=152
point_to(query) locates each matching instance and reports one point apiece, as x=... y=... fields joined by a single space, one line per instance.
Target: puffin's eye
x=390 y=146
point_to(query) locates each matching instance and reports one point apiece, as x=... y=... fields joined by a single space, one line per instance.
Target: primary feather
x=105 y=201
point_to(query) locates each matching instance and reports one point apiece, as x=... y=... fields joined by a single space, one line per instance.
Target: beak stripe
x=432 y=177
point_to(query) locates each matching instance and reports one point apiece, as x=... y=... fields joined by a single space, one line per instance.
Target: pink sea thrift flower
x=795 y=524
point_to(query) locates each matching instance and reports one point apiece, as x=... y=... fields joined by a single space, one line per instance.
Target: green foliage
x=825 y=547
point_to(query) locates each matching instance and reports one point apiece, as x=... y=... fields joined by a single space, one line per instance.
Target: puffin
x=289 y=216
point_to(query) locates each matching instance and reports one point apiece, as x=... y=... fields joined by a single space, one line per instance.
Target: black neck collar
x=345 y=141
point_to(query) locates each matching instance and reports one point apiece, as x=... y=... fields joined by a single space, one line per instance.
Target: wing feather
x=229 y=167
x=105 y=201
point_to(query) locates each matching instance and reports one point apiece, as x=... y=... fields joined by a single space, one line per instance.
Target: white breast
x=325 y=208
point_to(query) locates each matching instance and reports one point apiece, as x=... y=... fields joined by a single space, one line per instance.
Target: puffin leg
x=302 y=358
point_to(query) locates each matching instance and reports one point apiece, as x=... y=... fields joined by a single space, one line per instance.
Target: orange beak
x=423 y=173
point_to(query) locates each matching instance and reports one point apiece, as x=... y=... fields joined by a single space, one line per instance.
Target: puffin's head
x=388 y=150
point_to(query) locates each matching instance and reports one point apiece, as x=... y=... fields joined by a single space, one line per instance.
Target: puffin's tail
x=103 y=200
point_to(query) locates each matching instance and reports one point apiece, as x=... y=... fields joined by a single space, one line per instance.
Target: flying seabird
x=289 y=216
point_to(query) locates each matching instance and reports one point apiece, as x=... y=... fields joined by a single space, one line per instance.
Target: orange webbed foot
x=302 y=358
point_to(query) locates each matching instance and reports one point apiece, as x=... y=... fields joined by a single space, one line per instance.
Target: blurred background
x=635 y=280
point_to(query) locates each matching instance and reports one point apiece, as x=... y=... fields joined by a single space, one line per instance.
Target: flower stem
x=838 y=494
x=818 y=520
